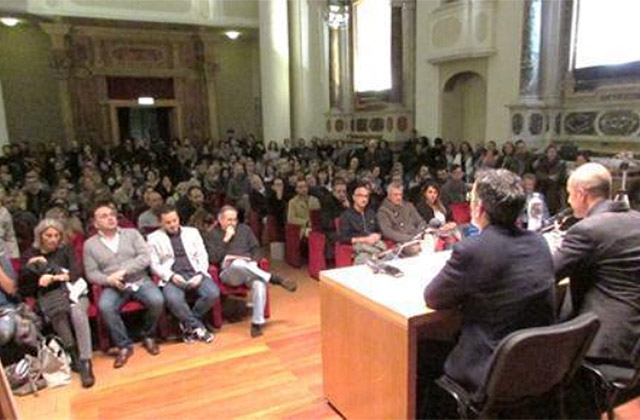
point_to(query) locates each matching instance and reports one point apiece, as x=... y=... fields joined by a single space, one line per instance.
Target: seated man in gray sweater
x=117 y=259
x=399 y=220
x=236 y=251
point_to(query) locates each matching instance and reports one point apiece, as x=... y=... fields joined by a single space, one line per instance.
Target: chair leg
x=217 y=313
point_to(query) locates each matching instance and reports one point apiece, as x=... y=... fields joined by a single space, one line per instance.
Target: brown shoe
x=122 y=357
x=151 y=346
x=287 y=284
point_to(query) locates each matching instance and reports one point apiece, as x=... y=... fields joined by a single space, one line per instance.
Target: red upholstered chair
x=317 y=259
x=343 y=252
x=167 y=327
x=273 y=232
x=461 y=213
x=102 y=331
x=238 y=291
x=254 y=222
x=292 y=242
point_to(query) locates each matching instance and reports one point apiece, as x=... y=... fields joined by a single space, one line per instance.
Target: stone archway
x=464 y=107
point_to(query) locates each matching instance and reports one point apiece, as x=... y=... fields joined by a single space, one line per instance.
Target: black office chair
x=614 y=381
x=527 y=365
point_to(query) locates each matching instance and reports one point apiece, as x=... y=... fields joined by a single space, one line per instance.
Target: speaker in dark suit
x=601 y=256
x=501 y=280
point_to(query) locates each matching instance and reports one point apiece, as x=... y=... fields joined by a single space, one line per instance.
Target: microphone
x=549 y=223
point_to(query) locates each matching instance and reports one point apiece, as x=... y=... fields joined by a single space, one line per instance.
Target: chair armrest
x=462 y=397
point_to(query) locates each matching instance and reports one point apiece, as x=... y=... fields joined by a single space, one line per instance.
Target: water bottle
x=535 y=211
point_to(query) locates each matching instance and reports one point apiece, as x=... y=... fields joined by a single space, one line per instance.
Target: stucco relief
x=517 y=121
x=558 y=123
x=139 y=55
x=446 y=32
x=580 y=123
x=536 y=121
x=619 y=123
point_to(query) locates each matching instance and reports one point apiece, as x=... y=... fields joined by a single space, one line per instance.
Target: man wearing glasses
x=118 y=260
x=359 y=226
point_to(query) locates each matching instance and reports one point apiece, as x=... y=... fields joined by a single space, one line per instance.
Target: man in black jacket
x=236 y=251
x=601 y=255
x=501 y=280
x=331 y=207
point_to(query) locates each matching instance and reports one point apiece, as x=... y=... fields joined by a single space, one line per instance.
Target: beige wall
x=237 y=83
x=449 y=42
x=503 y=69
x=30 y=90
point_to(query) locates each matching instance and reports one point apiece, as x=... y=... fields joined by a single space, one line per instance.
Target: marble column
x=554 y=56
x=408 y=53
x=60 y=63
x=274 y=70
x=309 y=68
x=4 y=132
x=341 y=84
x=209 y=66
x=531 y=46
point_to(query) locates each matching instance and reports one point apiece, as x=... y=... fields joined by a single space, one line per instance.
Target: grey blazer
x=601 y=255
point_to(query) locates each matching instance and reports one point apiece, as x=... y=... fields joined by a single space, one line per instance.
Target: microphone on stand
x=550 y=223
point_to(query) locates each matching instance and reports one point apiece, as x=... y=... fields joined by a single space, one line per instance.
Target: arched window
x=372 y=45
x=605 y=38
x=377 y=52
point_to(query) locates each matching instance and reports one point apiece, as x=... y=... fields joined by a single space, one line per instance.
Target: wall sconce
x=9 y=21
x=232 y=35
x=337 y=15
x=146 y=100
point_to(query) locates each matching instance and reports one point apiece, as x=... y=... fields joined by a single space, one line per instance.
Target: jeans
x=207 y=292
x=247 y=272
x=111 y=300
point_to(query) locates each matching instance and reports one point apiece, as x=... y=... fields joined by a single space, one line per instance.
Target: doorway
x=464 y=108
x=152 y=123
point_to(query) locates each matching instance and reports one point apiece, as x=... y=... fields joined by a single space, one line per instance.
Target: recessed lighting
x=9 y=21
x=232 y=34
x=146 y=100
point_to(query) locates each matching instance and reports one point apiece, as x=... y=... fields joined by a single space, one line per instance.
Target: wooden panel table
x=370 y=329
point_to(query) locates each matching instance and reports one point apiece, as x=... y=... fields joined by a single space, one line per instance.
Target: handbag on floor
x=55 y=362
x=25 y=376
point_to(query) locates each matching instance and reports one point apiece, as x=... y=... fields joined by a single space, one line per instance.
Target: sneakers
x=197 y=334
x=287 y=284
x=201 y=334
x=256 y=330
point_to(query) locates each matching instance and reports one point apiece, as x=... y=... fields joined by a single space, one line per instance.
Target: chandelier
x=337 y=15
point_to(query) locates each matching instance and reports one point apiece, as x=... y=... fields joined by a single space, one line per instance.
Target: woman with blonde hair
x=50 y=273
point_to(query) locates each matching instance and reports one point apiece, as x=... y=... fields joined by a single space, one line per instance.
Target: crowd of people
x=118 y=216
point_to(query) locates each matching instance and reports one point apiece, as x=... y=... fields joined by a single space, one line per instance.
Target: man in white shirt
x=180 y=260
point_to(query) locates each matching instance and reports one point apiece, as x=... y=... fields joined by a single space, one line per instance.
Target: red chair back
x=461 y=212
x=317 y=259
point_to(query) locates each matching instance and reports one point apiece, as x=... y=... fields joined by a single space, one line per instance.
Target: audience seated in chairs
x=50 y=273
x=235 y=250
x=148 y=219
x=455 y=189
x=359 y=227
x=430 y=207
x=180 y=260
x=333 y=205
x=399 y=220
x=117 y=259
x=300 y=207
